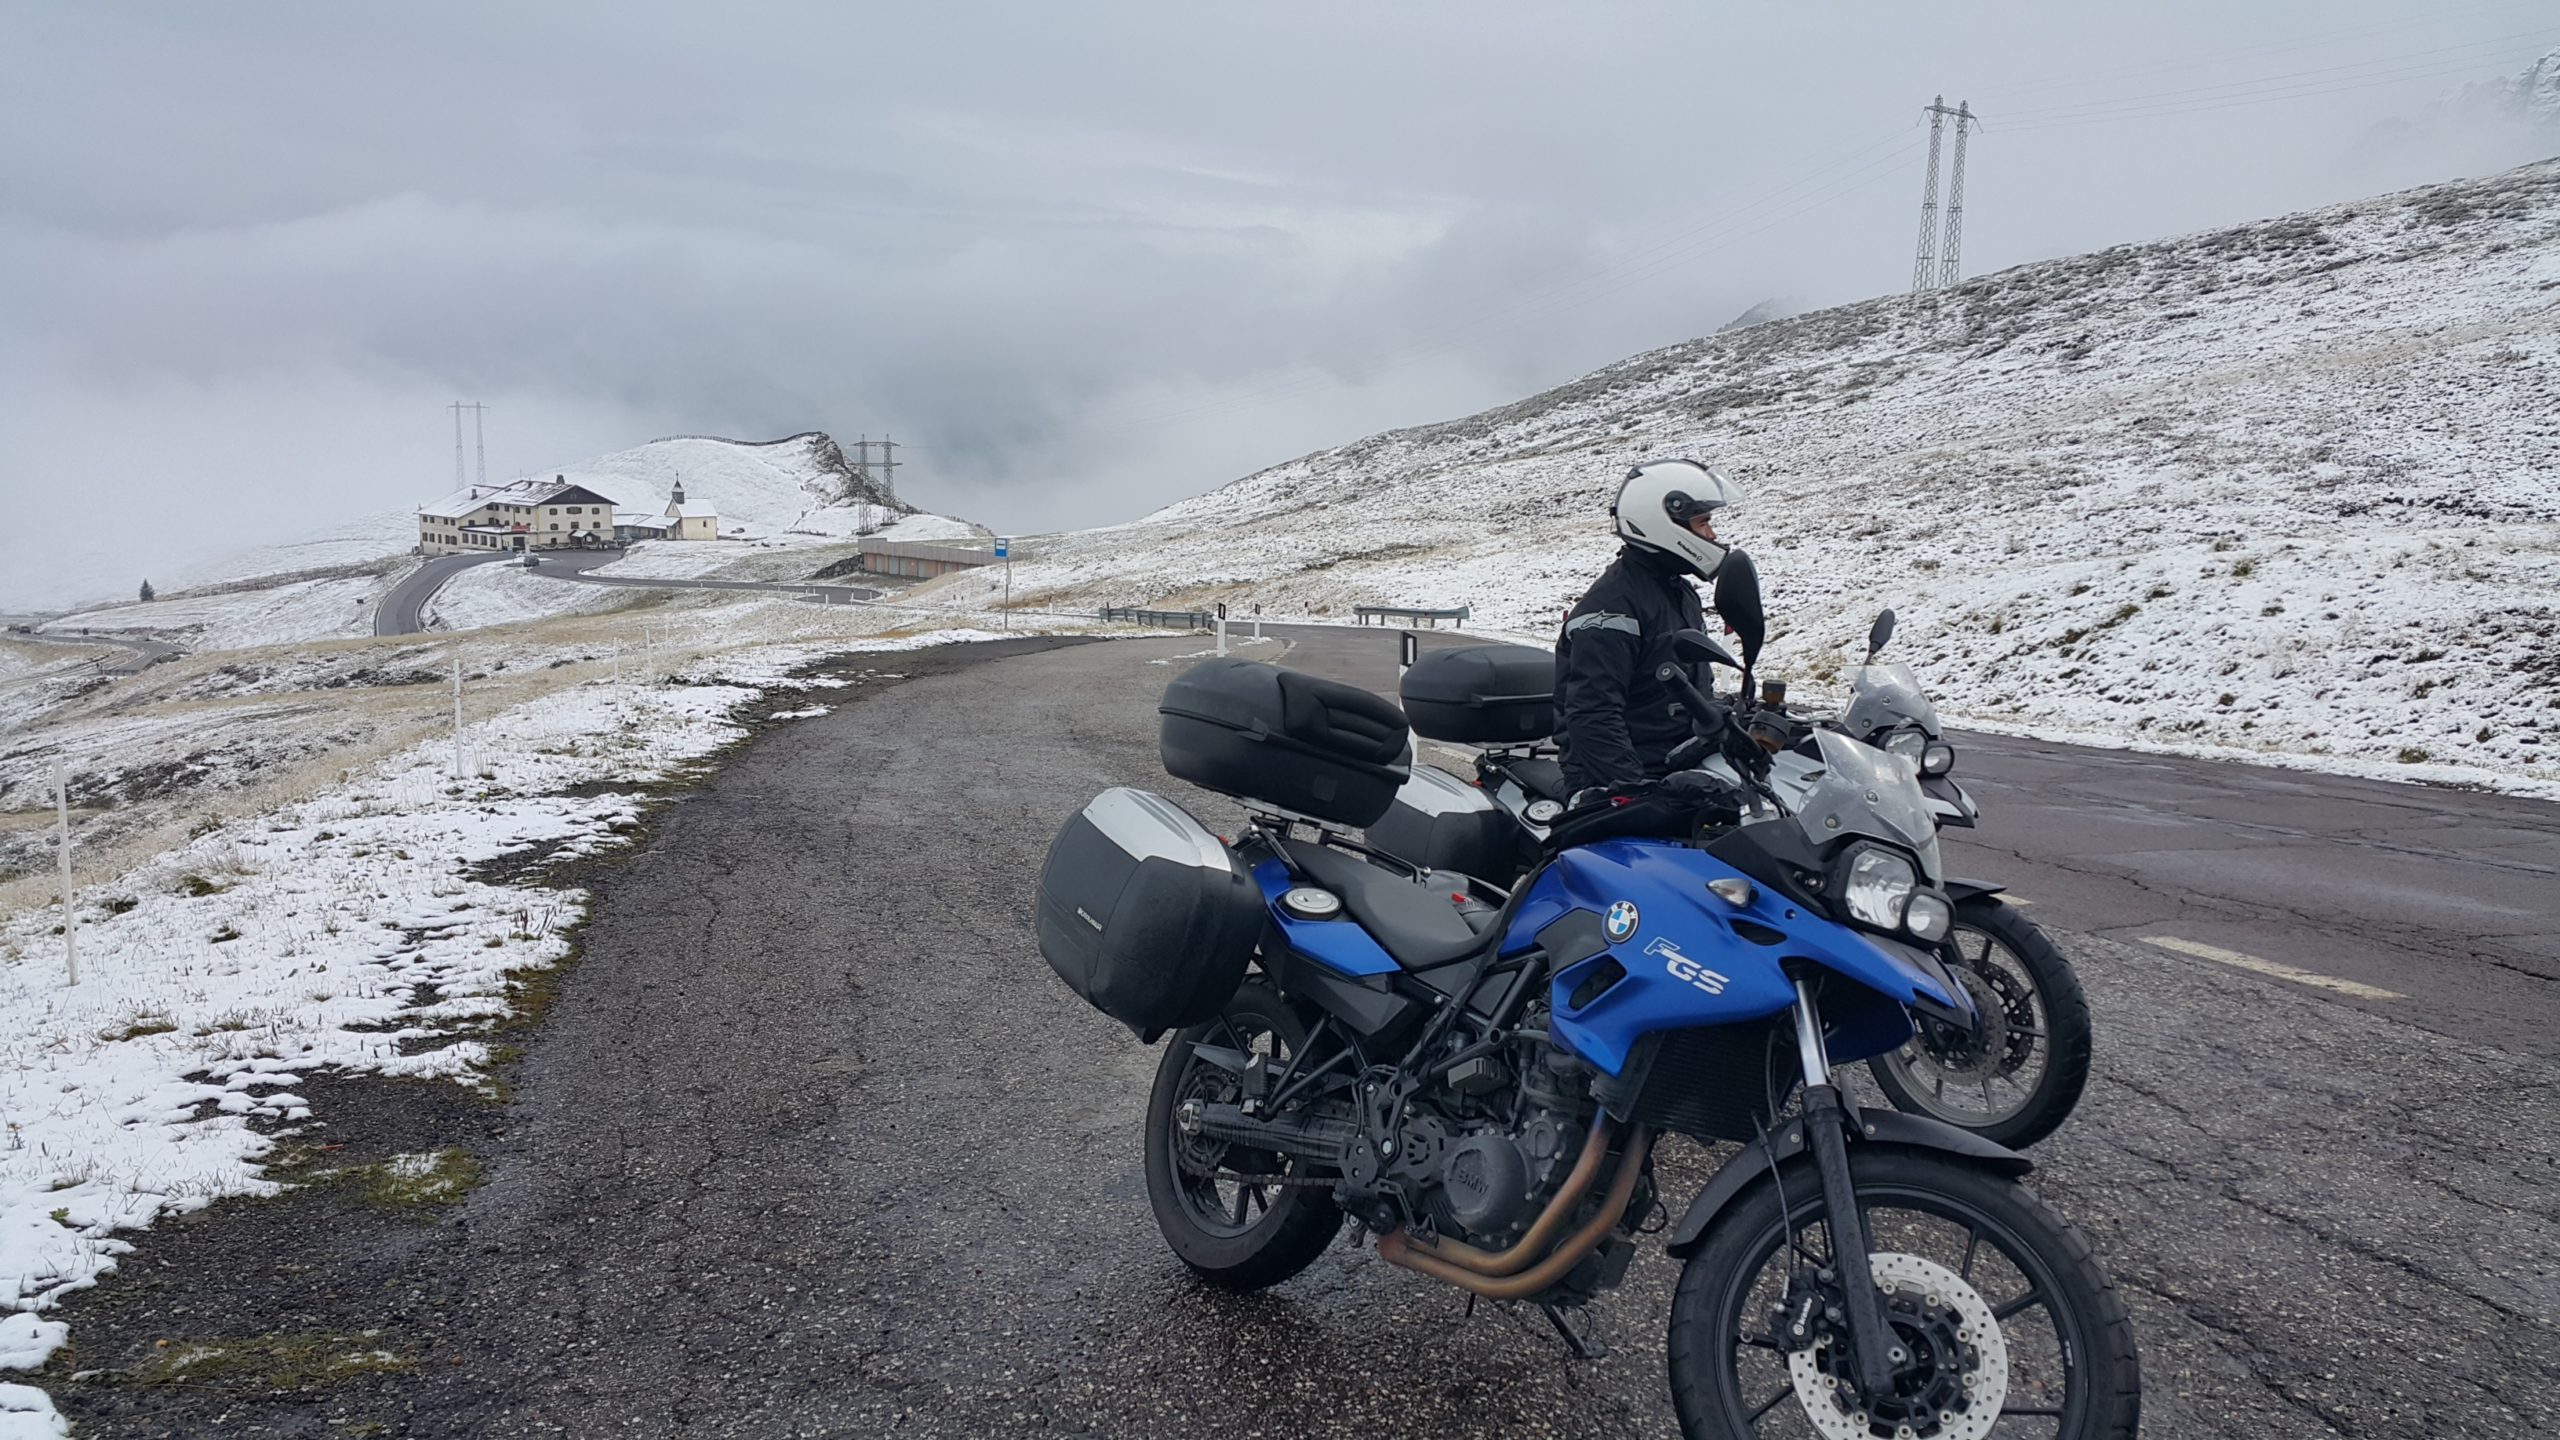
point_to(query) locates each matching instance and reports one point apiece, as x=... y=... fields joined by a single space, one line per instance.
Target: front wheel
x=2018 y=1080
x=2001 y=1314
x=1241 y=1219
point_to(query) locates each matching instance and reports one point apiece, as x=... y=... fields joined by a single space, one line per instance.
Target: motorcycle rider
x=1617 y=724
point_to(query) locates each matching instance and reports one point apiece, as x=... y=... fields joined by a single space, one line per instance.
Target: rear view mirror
x=1879 y=633
x=1697 y=647
x=1738 y=601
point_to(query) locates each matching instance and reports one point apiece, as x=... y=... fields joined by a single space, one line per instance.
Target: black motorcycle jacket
x=1616 y=724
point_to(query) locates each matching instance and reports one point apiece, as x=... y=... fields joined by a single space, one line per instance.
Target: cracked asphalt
x=813 y=1144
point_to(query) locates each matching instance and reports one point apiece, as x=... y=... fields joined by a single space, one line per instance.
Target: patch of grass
x=196 y=887
x=408 y=1182
x=2242 y=570
x=2412 y=755
x=304 y=1361
x=147 y=1022
x=118 y=904
x=225 y=935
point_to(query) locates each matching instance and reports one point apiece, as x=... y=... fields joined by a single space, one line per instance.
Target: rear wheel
x=2020 y=1078
x=1241 y=1219
x=2005 y=1324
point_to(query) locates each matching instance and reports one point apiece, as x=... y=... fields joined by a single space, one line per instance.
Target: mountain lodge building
x=550 y=515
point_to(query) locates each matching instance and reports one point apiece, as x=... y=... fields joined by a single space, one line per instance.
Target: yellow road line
x=2237 y=960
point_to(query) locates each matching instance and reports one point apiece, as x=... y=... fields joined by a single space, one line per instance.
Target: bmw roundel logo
x=1620 y=921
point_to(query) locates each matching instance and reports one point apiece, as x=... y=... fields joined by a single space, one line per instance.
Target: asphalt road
x=400 y=610
x=813 y=1144
x=145 y=653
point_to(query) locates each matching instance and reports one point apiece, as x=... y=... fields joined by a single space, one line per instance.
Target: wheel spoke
x=1244 y=1193
x=1972 y=1243
x=2031 y=1298
x=1765 y=1406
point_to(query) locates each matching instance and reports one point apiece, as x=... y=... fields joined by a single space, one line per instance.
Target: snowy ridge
x=2283 y=488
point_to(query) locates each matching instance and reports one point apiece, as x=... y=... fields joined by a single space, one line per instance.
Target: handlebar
x=1719 y=727
x=1707 y=712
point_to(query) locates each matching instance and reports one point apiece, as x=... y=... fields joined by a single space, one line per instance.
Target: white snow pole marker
x=1222 y=634
x=1408 y=650
x=62 y=819
x=457 y=712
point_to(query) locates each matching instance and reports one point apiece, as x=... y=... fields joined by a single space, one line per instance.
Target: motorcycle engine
x=1496 y=1143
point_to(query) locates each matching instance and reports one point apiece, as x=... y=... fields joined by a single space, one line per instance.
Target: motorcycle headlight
x=1906 y=743
x=1937 y=758
x=1878 y=884
x=1929 y=916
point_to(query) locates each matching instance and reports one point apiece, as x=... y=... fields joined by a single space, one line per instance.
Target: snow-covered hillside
x=797 y=492
x=799 y=485
x=2292 y=487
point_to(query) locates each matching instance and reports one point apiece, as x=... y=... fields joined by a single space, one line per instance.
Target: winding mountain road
x=813 y=1144
x=402 y=611
x=146 y=653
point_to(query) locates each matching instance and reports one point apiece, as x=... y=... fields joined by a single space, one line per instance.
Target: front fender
x=1959 y=891
x=1875 y=1127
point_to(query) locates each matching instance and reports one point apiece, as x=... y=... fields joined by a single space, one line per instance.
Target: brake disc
x=1950 y=1386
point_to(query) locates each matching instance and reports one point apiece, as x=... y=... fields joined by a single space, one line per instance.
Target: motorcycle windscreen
x=1864 y=791
x=1885 y=695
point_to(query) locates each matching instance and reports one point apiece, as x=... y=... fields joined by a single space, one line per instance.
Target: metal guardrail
x=1457 y=614
x=1165 y=619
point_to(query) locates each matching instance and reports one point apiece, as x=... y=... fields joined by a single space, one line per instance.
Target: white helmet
x=1658 y=500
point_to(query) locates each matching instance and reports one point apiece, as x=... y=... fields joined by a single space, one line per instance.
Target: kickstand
x=1583 y=1346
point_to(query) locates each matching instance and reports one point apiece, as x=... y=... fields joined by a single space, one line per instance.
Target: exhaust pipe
x=1402 y=1249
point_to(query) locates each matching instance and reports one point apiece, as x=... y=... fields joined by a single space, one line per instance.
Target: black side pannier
x=1145 y=914
x=1482 y=695
x=1441 y=822
x=1258 y=732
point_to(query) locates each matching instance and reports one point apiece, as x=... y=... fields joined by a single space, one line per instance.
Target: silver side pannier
x=1145 y=914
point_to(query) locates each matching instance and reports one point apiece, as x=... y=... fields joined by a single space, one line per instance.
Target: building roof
x=529 y=491
x=640 y=519
x=692 y=510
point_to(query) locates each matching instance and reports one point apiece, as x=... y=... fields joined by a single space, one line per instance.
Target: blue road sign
x=1003 y=544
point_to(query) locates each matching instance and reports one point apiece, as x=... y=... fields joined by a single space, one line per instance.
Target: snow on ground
x=308 y=937
x=927 y=529
x=679 y=559
x=505 y=593
x=2284 y=490
x=33 y=659
x=794 y=493
x=297 y=610
x=801 y=483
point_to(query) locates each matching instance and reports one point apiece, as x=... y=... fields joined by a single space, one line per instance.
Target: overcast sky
x=1084 y=258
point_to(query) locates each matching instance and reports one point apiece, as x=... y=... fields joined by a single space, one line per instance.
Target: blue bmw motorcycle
x=1479 y=1079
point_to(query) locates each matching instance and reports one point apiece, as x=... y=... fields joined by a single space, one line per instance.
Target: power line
x=2392 y=66
x=2432 y=20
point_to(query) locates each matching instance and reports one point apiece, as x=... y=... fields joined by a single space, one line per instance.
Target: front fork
x=1874 y=1346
